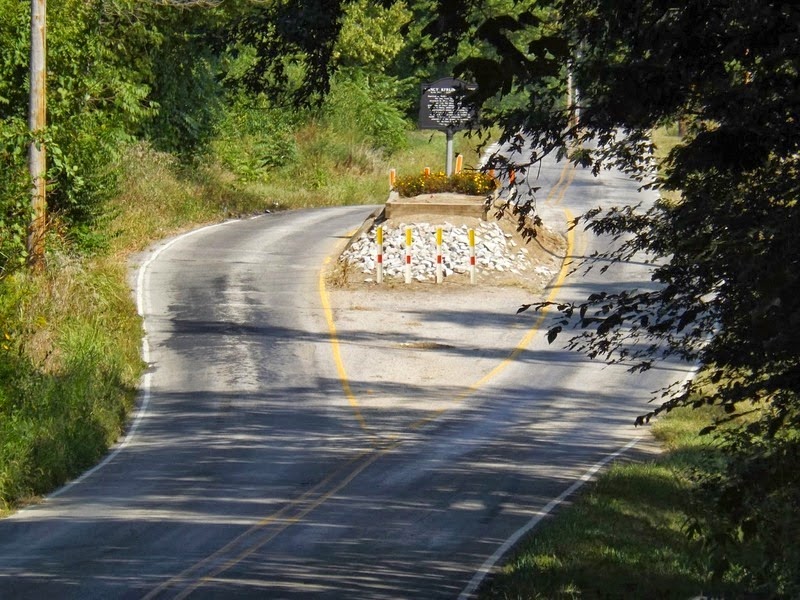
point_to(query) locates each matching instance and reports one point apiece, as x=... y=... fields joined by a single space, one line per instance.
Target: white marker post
x=408 y=254
x=379 y=254
x=472 y=256
x=439 y=277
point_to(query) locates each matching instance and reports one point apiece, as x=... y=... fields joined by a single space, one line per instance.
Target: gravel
x=495 y=250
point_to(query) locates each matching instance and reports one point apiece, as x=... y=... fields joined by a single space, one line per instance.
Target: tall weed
x=69 y=367
x=256 y=138
x=15 y=209
x=366 y=105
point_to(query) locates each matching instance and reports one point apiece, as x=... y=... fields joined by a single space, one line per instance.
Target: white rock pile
x=495 y=251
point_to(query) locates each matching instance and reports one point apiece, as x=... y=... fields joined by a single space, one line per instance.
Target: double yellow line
x=556 y=194
x=555 y=197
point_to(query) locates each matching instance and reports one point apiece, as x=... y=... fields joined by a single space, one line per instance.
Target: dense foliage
x=66 y=382
x=104 y=64
x=231 y=82
x=729 y=293
x=150 y=129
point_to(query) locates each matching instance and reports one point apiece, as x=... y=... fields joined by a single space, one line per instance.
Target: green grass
x=665 y=139
x=624 y=535
x=69 y=366
x=161 y=197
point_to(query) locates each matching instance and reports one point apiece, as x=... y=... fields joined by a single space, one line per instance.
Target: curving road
x=260 y=464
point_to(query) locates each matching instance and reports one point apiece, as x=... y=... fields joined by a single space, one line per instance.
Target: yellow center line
x=523 y=343
x=555 y=189
x=337 y=355
x=263 y=523
x=563 y=192
x=556 y=194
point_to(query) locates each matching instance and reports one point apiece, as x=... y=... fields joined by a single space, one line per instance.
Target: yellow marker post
x=392 y=178
x=408 y=254
x=379 y=254
x=439 y=277
x=459 y=163
x=427 y=171
x=472 y=277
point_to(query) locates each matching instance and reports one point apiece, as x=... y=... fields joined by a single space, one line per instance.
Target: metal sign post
x=446 y=106
x=449 y=158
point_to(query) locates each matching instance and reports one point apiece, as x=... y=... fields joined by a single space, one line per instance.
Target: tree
x=725 y=255
x=293 y=46
x=95 y=99
x=117 y=69
x=729 y=296
x=371 y=35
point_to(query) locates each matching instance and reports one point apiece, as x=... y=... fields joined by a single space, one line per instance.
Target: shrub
x=366 y=106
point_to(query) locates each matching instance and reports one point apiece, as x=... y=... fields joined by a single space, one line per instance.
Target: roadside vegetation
x=632 y=532
x=626 y=535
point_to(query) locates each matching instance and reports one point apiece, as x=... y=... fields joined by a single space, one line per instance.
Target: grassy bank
x=69 y=366
x=161 y=196
x=625 y=535
x=69 y=343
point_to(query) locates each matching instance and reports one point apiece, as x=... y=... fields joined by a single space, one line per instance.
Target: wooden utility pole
x=37 y=121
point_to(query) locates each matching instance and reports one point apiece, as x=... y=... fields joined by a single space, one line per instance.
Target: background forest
x=165 y=115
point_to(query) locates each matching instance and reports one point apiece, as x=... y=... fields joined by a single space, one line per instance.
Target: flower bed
x=473 y=183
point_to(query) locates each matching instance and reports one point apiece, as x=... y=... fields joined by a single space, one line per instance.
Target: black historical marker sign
x=444 y=105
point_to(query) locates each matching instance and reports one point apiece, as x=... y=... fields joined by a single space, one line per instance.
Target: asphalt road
x=259 y=466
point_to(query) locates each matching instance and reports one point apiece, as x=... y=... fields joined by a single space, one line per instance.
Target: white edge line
x=487 y=566
x=145 y=352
